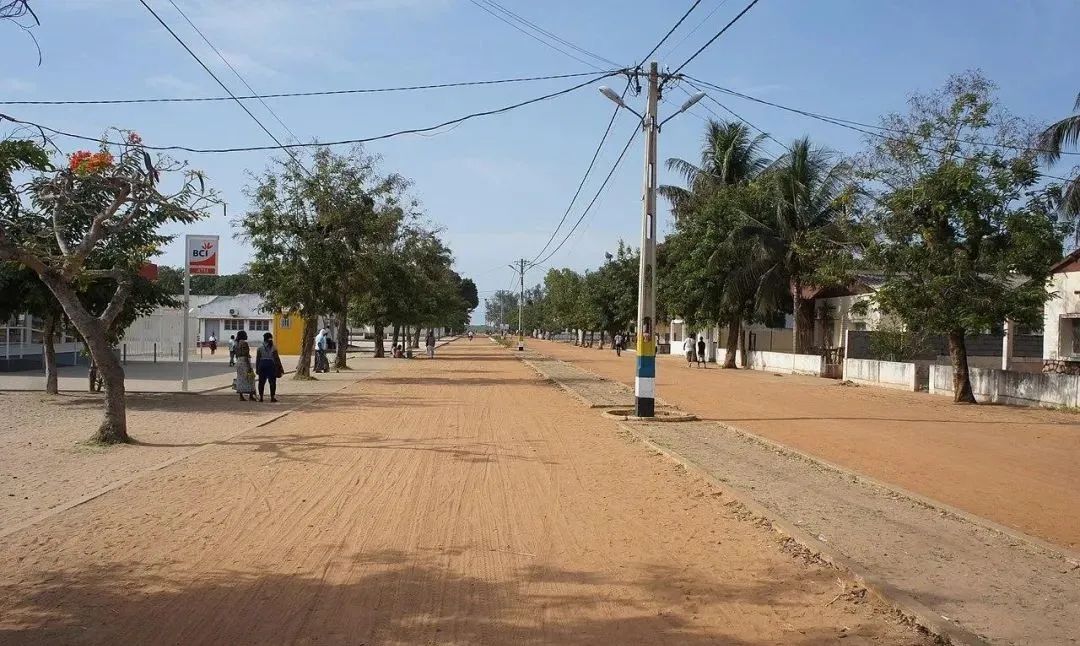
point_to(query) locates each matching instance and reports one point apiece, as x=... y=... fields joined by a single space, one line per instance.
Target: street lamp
x=645 y=374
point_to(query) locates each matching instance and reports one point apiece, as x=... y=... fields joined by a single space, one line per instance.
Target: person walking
x=429 y=343
x=268 y=365
x=701 y=353
x=213 y=344
x=618 y=343
x=232 y=350
x=688 y=350
x=245 y=376
x=321 y=364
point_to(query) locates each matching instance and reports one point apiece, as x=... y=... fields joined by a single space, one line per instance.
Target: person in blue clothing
x=268 y=367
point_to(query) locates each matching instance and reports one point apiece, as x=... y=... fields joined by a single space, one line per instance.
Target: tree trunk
x=397 y=334
x=603 y=336
x=380 y=338
x=732 y=346
x=416 y=337
x=961 y=377
x=51 y=384
x=307 y=345
x=744 y=356
x=592 y=338
x=802 y=334
x=340 y=357
x=113 y=428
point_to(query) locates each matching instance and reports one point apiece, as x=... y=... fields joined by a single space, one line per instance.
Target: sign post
x=201 y=258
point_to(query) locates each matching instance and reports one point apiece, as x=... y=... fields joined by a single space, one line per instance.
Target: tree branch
x=124 y=285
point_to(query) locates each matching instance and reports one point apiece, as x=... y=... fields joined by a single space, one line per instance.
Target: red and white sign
x=202 y=255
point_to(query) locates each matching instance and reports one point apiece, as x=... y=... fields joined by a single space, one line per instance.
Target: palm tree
x=1052 y=142
x=730 y=155
x=803 y=226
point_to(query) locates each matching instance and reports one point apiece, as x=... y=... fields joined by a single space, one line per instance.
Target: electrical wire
x=223 y=86
x=861 y=127
x=234 y=70
x=670 y=31
x=530 y=34
x=581 y=184
x=594 y=199
x=676 y=46
x=736 y=115
x=279 y=95
x=526 y=21
x=339 y=142
x=718 y=35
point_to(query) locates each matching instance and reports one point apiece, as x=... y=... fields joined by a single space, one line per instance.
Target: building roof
x=1067 y=264
x=244 y=306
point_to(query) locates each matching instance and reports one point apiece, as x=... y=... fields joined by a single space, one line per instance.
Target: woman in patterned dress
x=245 y=376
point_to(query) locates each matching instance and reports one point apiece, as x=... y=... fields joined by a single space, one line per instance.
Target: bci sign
x=202 y=255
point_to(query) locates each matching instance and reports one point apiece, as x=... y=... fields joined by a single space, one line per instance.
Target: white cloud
x=16 y=86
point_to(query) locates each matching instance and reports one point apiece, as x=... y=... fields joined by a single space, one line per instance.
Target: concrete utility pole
x=645 y=375
x=519 y=267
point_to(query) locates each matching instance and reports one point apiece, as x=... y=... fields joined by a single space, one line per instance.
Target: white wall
x=164 y=326
x=799 y=364
x=1063 y=300
x=1011 y=387
x=885 y=374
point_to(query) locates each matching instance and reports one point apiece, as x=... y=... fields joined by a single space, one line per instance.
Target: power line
x=340 y=142
x=594 y=199
x=234 y=71
x=860 y=127
x=581 y=184
x=736 y=115
x=718 y=34
x=532 y=35
x=556 y=37
x=249 y=97
x=223 y=86
x=693 y=31
x=671 y=31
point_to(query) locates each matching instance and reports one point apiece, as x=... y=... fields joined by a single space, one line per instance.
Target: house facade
x=1061 y=317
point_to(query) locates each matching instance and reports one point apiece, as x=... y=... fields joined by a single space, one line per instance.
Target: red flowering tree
x=94 y=222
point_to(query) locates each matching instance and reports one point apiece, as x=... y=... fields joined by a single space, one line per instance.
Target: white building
x=224 y=316
x=1061 y=317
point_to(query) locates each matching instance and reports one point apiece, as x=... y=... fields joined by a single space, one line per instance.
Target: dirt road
x=459 y=501
x=1017 y=466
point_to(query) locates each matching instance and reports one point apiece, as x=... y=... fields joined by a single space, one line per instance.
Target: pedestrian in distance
x=429 y=343
x=212 y=341
x=688 y=350
x=245 y=376
x=618 y=343
x=232 y=350
x=268 y=365
x=701 y=353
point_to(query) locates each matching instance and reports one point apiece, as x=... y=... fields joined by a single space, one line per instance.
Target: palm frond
x=1060 y=136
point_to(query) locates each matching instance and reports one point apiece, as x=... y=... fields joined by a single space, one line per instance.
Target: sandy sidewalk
x=460 y=501
x=1017 y=466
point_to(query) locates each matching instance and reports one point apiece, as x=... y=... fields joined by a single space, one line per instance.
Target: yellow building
x=288 y=332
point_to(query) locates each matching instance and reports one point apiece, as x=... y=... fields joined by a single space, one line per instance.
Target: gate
x=834 y=362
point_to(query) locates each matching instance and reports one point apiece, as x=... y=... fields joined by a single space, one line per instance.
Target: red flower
x=85 y=162
x=134 y=138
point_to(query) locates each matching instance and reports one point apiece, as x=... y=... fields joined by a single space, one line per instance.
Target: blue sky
x=498 y=186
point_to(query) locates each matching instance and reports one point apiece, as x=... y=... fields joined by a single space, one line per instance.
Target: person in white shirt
x=688 y=350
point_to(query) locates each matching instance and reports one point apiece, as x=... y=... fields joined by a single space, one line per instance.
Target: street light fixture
x=615 y=98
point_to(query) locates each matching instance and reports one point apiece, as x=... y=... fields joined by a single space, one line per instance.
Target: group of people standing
x=695 y=352
x=267 y=366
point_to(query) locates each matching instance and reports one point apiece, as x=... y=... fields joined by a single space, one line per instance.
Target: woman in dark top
x=268 y=366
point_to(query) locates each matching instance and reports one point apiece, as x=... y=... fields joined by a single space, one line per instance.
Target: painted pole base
x=644 y=407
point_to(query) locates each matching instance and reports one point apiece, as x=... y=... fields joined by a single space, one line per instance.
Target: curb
x=903 y=603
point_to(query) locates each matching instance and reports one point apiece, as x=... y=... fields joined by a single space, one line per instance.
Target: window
x=234 y=324
x=259 y=325
x=1074 y=331
x=286 y=322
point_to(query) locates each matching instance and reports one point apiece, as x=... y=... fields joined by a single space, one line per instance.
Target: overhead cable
x=718 y=35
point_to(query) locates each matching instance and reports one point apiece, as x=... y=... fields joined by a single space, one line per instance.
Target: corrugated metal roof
x=246 y=306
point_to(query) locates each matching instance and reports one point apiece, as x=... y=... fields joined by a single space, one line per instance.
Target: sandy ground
x=1017 y=466
x=460 y=501
x=45 y=461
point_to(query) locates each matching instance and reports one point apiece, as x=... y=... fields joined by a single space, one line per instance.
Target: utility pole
x=645 y=376
x=520 y=269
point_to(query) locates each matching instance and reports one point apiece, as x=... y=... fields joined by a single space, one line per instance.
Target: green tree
x=90 y=226
x=964 y=236
x=1056 y=139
